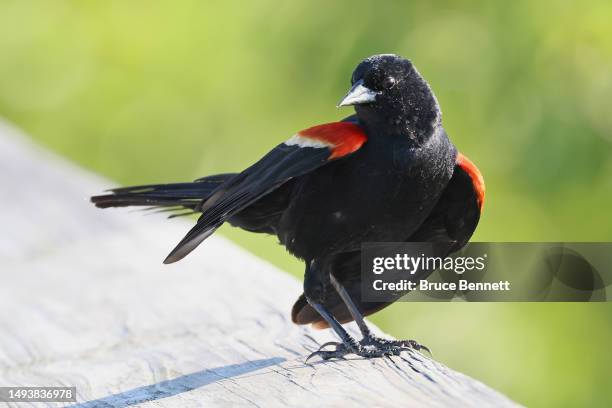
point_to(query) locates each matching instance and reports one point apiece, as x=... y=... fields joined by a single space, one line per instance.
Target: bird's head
x=389 y=93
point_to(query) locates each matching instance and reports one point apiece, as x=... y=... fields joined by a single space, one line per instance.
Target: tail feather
x=165 y=196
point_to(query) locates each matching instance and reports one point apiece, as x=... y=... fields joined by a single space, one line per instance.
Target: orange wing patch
x=477 y=179
x=341 y=137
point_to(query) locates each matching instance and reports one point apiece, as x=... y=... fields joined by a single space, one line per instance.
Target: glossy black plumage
x=450 y=223
x=388 y=173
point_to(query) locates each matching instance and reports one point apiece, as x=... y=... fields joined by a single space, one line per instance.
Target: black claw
x=422 y=347
x=339 y=352
x=329 y=343
x=315 y=353
x=327 y=354
x=416 y=346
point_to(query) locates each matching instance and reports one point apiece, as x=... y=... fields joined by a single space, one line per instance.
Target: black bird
x=389 y=173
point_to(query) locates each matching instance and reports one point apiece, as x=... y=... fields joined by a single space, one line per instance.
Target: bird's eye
x=388 y=82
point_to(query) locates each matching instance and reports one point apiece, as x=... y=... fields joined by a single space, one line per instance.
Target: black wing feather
x=280 y=165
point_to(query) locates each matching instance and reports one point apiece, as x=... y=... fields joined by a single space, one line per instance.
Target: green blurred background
x=144 y=91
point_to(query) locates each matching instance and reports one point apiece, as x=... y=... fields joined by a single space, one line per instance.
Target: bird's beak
x=358 y=95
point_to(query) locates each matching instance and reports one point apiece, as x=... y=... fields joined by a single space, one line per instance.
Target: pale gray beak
x=358 y=95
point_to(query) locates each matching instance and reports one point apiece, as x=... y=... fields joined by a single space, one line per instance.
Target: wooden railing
x=85 y=301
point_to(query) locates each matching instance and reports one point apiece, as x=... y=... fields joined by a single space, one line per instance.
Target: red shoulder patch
x=341 y=137
x=477 y=179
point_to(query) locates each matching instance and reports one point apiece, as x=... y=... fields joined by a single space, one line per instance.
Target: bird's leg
x=314 y=290
x=348 y=342
x=369 y=346
x=348 y=346
x=352 y=307
x=369 y=339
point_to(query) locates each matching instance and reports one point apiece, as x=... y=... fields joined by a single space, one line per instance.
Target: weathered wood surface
x=86 y=302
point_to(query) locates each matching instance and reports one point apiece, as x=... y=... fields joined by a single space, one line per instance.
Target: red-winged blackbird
x=388 y=173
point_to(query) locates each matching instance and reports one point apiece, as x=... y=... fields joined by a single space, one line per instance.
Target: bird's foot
x=368 y=347
x=383 y=343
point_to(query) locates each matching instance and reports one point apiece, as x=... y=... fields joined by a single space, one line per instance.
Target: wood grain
x=86 y=302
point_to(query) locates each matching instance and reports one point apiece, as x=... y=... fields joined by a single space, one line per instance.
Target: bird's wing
x=450 y=224
x=306 y=151
x=468 y=168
